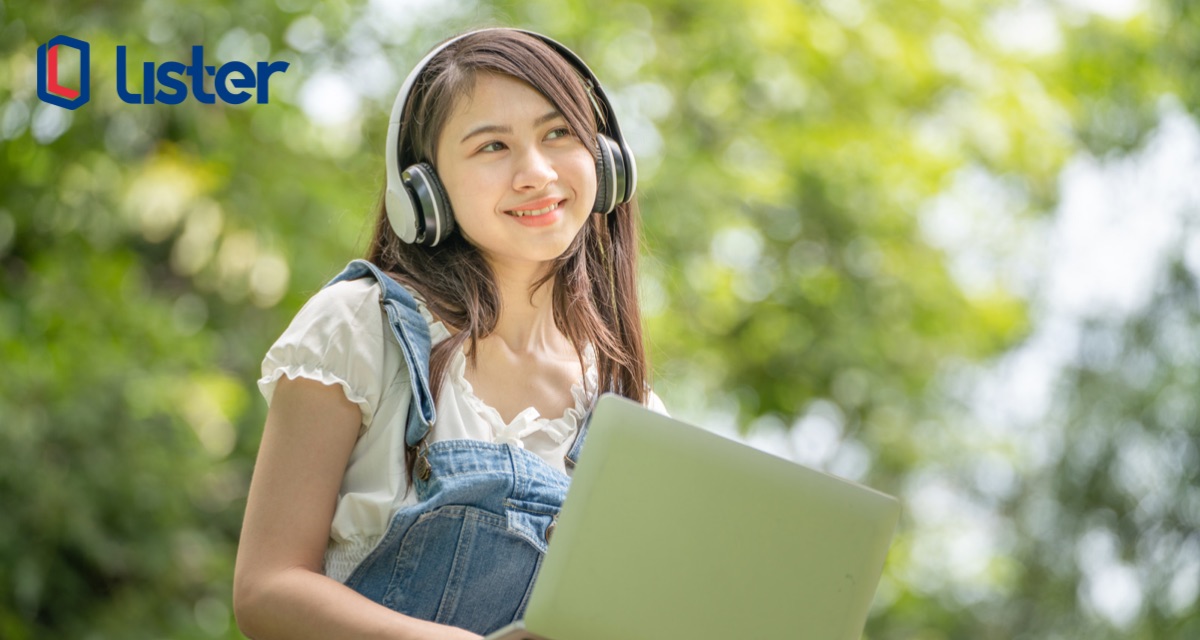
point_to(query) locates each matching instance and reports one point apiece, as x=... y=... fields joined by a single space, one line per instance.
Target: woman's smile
x=534 y=215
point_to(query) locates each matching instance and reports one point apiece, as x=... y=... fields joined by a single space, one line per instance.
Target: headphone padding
x=443 y=214
x=606 y=178
x=432 y=207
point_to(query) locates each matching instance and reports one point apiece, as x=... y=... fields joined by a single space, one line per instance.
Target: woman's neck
x=526 y=323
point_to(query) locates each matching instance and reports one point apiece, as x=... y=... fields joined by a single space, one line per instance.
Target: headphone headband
x=412 y=221
x=604 y=112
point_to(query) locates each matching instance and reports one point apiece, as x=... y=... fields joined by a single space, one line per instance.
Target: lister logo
x=163 y=83
x=170 y=76
x=49 y=90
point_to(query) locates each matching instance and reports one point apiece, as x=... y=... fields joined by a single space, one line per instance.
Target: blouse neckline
x=528 y=420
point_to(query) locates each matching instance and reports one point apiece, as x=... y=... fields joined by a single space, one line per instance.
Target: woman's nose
x=534 y=171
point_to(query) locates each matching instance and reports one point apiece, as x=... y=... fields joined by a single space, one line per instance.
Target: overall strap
x=412 y=333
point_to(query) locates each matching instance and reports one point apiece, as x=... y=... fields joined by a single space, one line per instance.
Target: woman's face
x=521 y=185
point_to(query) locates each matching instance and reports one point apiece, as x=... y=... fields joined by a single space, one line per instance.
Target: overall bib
x=468 y=552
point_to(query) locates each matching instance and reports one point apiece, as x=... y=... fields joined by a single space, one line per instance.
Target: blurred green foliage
x=789 y=153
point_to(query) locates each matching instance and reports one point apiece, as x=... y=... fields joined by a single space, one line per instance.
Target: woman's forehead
x=498 y=99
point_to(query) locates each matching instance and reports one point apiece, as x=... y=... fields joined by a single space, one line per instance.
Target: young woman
x=427 y=406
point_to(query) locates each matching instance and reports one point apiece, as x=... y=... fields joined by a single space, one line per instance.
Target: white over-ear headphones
x=417 y=205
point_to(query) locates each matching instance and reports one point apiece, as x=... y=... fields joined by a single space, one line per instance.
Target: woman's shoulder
x=339 y=320
x=356 y=304
x=346 y=299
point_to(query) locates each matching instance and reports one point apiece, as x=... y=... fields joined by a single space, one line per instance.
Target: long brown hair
x=595 y=289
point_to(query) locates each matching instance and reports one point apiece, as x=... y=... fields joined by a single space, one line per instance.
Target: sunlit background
x=945 y=248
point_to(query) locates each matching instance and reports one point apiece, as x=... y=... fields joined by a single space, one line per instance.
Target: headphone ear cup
x=627 y=170
x=402 y=212
x=608 y=168
x=435 y=220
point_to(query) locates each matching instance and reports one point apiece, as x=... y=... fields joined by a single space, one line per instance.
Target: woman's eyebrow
x=496 y=128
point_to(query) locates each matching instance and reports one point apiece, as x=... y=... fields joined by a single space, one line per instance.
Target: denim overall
x=467 y=553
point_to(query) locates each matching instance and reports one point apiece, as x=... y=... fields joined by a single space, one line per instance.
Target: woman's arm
x=279 y=590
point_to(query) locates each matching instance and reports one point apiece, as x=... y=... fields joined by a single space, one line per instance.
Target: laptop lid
x=670 y=531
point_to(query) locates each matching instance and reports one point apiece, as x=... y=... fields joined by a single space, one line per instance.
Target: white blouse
x=341 y=337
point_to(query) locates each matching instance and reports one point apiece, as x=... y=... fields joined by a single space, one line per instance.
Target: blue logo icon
x=49 y=89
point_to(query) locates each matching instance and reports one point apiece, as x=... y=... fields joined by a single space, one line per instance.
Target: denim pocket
x=461 y=566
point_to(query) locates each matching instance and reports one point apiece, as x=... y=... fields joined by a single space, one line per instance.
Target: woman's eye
x=561 y=132
x=492 y=146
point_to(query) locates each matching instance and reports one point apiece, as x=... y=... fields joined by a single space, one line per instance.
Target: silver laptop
x=669 y=531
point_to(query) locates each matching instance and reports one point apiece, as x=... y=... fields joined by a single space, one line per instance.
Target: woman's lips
x=544 y=214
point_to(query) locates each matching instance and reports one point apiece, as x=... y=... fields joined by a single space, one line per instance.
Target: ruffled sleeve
x=335 y=339
x=655 y=404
